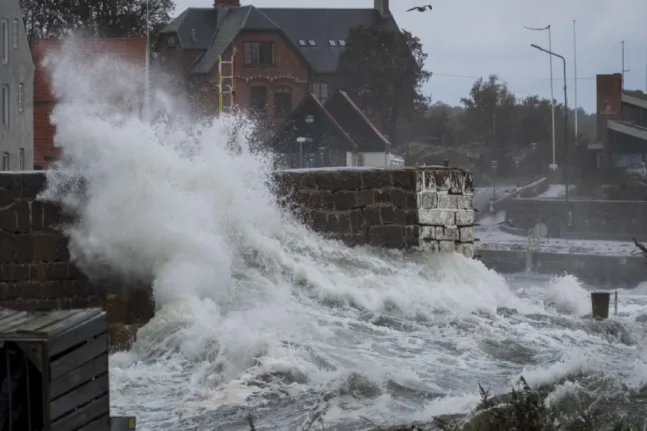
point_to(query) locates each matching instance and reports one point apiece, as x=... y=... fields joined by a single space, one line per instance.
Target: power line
x=503 y=78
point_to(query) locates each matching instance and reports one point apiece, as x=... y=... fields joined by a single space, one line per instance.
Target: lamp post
x=553 y=166
x=565 y=115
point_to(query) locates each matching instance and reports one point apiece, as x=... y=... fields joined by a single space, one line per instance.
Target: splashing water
x=256 y=314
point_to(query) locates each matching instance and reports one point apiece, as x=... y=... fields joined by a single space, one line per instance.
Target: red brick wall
x=609 y=98
x=289 y=70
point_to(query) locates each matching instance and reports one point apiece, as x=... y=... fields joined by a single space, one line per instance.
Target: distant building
x=264 y=59
x=131 y=50
x=621 y=125
x=16 y=89
x=336 y=133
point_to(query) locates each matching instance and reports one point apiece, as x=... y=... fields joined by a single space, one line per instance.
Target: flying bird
x=420 y=8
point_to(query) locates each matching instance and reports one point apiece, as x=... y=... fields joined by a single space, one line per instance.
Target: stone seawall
x=591 y=219
x=36 y=271
x=428 y=208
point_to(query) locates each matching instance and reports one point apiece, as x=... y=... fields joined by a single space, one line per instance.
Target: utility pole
x=623 y=65
x=575 y=78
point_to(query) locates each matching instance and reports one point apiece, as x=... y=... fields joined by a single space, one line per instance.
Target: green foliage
x=104 y=18
x=383 y=71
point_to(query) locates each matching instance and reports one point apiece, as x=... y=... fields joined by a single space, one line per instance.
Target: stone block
x=411 y=216
x=404 y=179
x=365 y=198
x=399 y=198
x=466 y=234
x=427 y=200
x=432 y=246
x=446 y=201
x=412 y=236
x=328 y=180
x=353 y=239
x=344 y=223
x=32 y=184
x=376 y=179
x=46 y=247
x=447 y=233
x=11 y=182
x=427 y=233
x=465 y=217
x=46 y=216
x=350 y=180
x=382 y=196
x=372 y=214
x=357 y=222
x=425 y=180
x=442 y=179
x=318 y=221
x=11 y=273
x=457 y=182
x=316 y=199
x=437 y=217
x=399 y=216
x=387 y=214
x=464 y=202
x=387 y=236
x=466 y=249
x=345 y=200
x=446 y=246
x=333 y=223
x=7 y=248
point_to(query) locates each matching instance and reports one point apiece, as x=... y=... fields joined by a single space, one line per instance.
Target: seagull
x=420 y=8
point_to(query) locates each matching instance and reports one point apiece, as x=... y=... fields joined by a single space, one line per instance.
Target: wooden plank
x=96 y=388
x=5 y=312
x=77 y=334
x=77 y=357
x=79 y=376
x=101 y=424
x=43 y=320
x=97 y=409
x=78 y=317
x=7 y=322
x=7 y=331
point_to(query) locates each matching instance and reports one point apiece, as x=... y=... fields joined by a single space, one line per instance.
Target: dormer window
x=302 y=42
x=312 y=42
x=332 y=42
x=342 y=42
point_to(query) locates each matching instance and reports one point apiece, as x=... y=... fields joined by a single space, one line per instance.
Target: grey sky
x=466 y=39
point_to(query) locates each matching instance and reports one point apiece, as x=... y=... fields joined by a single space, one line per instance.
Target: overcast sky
x=467 y=39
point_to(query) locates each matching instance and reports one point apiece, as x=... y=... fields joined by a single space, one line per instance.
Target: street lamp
x=494 y=164
x=565 y=114
x=553 y=166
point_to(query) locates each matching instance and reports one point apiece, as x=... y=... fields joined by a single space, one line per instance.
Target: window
x=5 y=105
x=342 y=42
x=258 y=99
x=5 y=161
x=16 y=32
x=22 y=159
x=283 y=101
x=4 y=37
x=321 y=91
x=360 y=159
x=332 y=42
x=259 y=53
x=312 y=42
x=302 y=42
x=21 y=97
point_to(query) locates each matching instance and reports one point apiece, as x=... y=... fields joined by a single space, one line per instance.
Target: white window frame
x=4 y=99
x=4 y=37
x=6 y=162
x=318 y=90
x=22 y=159
x=21 y=97
x=16 y=32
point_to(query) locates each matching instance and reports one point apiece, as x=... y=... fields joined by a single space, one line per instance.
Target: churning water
x=258 y=315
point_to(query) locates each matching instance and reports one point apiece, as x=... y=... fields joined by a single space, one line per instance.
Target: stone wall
x=430 y=208
x=591 y=219
x=35 y=267
x=598 y=270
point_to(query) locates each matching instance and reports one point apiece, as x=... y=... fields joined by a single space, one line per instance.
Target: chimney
x=231 y=3
x=382 y=7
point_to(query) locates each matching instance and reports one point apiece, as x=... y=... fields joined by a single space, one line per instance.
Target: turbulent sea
x=257 y=315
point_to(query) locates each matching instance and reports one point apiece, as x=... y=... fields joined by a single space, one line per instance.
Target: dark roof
x=345 y=118
x=215 y=28
x=635 y=93
x=289 y=130
x=358 y=126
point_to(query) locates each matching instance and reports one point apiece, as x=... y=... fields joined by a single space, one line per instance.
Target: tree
x=383 y=71
x=102 y=18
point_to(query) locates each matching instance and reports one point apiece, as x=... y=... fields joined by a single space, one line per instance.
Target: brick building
x=621 y=125
x=132 y=50
x=270 y=57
